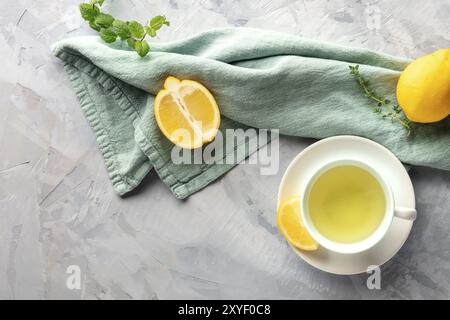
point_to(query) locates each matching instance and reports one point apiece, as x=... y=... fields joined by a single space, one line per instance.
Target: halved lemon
x=291 y=225
x=186 y=113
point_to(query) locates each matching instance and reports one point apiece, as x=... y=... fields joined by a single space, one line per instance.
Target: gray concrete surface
x=57 y=207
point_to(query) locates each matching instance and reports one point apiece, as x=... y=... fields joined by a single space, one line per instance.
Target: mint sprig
x=111 y=29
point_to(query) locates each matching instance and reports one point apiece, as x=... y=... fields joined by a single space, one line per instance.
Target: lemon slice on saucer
x=186 y=113
x=291 y=226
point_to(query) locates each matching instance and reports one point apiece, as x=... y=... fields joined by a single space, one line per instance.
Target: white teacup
x=390 y=212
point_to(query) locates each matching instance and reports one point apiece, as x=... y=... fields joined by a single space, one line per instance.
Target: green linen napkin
x=260 y=79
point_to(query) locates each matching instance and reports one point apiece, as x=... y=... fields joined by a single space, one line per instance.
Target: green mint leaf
x=108 y=35
x=142 y=48
x=136 y=29
x=150 y=31
x=133 y=32
x=94 y=26
x=104 y=20
x=131 y=42
x=89 y=12
x=121 y=29
x=157 y=22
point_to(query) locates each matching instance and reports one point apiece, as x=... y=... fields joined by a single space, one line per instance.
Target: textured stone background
x=57 y=207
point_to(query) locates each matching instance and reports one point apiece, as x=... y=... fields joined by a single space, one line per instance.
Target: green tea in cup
x=346 y=203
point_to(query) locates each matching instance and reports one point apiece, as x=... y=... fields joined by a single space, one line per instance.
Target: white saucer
x=380 y=159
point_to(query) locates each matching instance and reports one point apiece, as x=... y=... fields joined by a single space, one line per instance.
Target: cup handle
x=405 y=213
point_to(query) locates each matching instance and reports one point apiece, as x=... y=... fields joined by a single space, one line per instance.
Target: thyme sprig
x=384 y=107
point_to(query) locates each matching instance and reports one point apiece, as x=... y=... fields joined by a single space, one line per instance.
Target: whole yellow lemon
x=423 y=90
